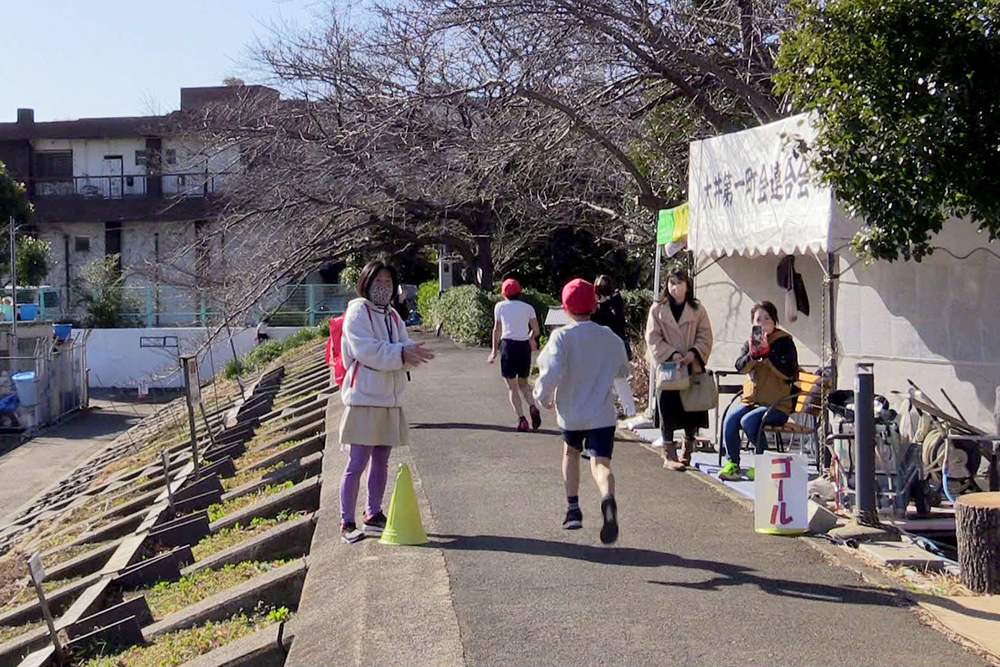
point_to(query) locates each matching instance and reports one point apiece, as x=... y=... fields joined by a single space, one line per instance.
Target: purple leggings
x=351 y=481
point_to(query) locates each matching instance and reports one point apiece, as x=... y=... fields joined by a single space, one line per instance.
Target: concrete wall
x=54 y=233
x=935 y=322
x=115 y=358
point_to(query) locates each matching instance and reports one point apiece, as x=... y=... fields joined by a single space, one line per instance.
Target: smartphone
x=757 y=335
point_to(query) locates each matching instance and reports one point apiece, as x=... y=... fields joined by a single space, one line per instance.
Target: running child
x=515 y=334
x=578 y=368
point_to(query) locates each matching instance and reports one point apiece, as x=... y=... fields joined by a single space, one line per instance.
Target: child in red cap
x=578 y=367
x=515 y=333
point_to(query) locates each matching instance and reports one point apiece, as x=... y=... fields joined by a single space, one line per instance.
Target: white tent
x=936 y=322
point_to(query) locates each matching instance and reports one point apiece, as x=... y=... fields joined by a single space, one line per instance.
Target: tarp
x=753 y=193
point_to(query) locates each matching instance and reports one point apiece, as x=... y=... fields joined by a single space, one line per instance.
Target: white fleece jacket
x=371 y=346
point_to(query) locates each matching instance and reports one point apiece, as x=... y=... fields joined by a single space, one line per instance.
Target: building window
x=81 y=243
x=140 y=158
x=170 y=155
x=54 y=164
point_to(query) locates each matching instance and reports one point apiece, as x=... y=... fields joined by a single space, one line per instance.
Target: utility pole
x=13 y=291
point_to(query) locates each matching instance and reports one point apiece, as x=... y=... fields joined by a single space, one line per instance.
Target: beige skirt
x=365 y=425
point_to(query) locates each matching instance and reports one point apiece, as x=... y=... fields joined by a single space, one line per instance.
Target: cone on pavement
x=403 y=523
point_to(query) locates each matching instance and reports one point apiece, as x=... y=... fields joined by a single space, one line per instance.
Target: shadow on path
x=460 y=426
x=727 y=574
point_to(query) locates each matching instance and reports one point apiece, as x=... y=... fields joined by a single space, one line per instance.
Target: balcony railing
x=191 y=184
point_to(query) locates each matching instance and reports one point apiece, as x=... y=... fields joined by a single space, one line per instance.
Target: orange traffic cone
x=403 y=524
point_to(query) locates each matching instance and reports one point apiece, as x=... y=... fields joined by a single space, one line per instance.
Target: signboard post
x=37 y=572
x=166 y=476
x=192 y=390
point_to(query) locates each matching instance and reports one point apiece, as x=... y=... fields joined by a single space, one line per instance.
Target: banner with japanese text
x=753 y=193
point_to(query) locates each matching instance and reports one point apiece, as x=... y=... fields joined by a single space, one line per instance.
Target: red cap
x=510 y=288
x=579 y=297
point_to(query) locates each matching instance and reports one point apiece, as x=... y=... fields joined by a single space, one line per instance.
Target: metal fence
x=171 y=306
x=40 y=390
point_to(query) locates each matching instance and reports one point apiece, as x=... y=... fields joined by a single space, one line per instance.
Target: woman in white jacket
x=376 y=351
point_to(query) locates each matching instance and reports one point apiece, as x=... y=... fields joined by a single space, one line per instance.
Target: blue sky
x=89 y=58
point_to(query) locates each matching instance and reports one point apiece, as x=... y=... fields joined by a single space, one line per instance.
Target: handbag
x=702 y=394
x=672 y=376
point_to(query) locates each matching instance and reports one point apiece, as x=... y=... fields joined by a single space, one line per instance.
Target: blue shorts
x=592 y=443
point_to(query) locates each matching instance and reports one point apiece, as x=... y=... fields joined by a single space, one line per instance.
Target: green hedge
x=427 y=294
x=466 y=312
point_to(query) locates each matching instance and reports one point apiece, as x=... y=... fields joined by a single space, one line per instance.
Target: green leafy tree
x=909 y=110
x=32 y=260
x=13 y=199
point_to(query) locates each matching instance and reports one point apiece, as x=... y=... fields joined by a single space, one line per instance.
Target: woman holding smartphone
x=771 y=364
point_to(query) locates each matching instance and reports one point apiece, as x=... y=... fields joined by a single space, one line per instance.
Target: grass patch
x=166 y=597
x=8 y=632
x=68 y=553
x=27 y=593
x=246 y=476
x=176 y=648
x=228 y=537
x=285 y=400
x=270 y=350
x=253 y=456
x=218 y=510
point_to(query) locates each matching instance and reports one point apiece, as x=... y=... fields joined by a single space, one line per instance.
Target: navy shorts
x=592 y=443
x=515 y=358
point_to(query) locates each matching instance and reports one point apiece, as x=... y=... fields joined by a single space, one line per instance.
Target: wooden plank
x=945 y=417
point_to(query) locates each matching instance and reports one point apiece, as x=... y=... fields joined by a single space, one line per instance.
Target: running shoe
x=573 y=520
x=609 y=512
x=536 y=418
x=730 y=472
x=349 y=533
x=522 y=425
x=375 y=524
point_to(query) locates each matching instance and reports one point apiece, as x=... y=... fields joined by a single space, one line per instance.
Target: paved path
x=37 y=464
x=689 y=582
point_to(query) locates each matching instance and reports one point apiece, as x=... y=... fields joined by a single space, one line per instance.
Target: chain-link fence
x=40 y=390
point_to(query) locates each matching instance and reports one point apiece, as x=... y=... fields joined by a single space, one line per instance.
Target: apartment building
x=142 y=187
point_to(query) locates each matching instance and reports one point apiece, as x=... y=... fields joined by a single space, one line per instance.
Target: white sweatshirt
x=371 y=346
x=578 y=367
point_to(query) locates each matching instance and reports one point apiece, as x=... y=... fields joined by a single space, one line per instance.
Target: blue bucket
x=29 y=311
x=62 y=330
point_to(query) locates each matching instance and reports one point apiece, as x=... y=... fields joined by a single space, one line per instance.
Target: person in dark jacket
x=771 y=363
x=611 y=314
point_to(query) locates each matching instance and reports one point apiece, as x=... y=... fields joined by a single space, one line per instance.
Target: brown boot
x=687 y=449
x=670 y=461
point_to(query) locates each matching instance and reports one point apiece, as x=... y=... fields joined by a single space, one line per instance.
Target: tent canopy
x=752 y=193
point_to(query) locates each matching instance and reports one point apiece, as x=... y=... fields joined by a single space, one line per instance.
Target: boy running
x=515 y=332
x=578 y=367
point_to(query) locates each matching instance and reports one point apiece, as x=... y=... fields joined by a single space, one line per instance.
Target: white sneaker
x=657 y=444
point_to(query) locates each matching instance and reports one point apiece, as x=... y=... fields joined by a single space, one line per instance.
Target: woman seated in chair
x=771 y=364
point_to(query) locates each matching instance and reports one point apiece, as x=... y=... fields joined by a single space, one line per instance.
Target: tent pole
x=831 y=296
x=651 y=407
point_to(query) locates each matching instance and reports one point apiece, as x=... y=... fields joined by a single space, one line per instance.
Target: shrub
x=271 y=349
x=637 y=304
x=466 y=314
x=541 y=302
x=427 y=294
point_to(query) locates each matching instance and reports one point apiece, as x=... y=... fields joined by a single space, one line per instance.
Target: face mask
x=380 y=295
